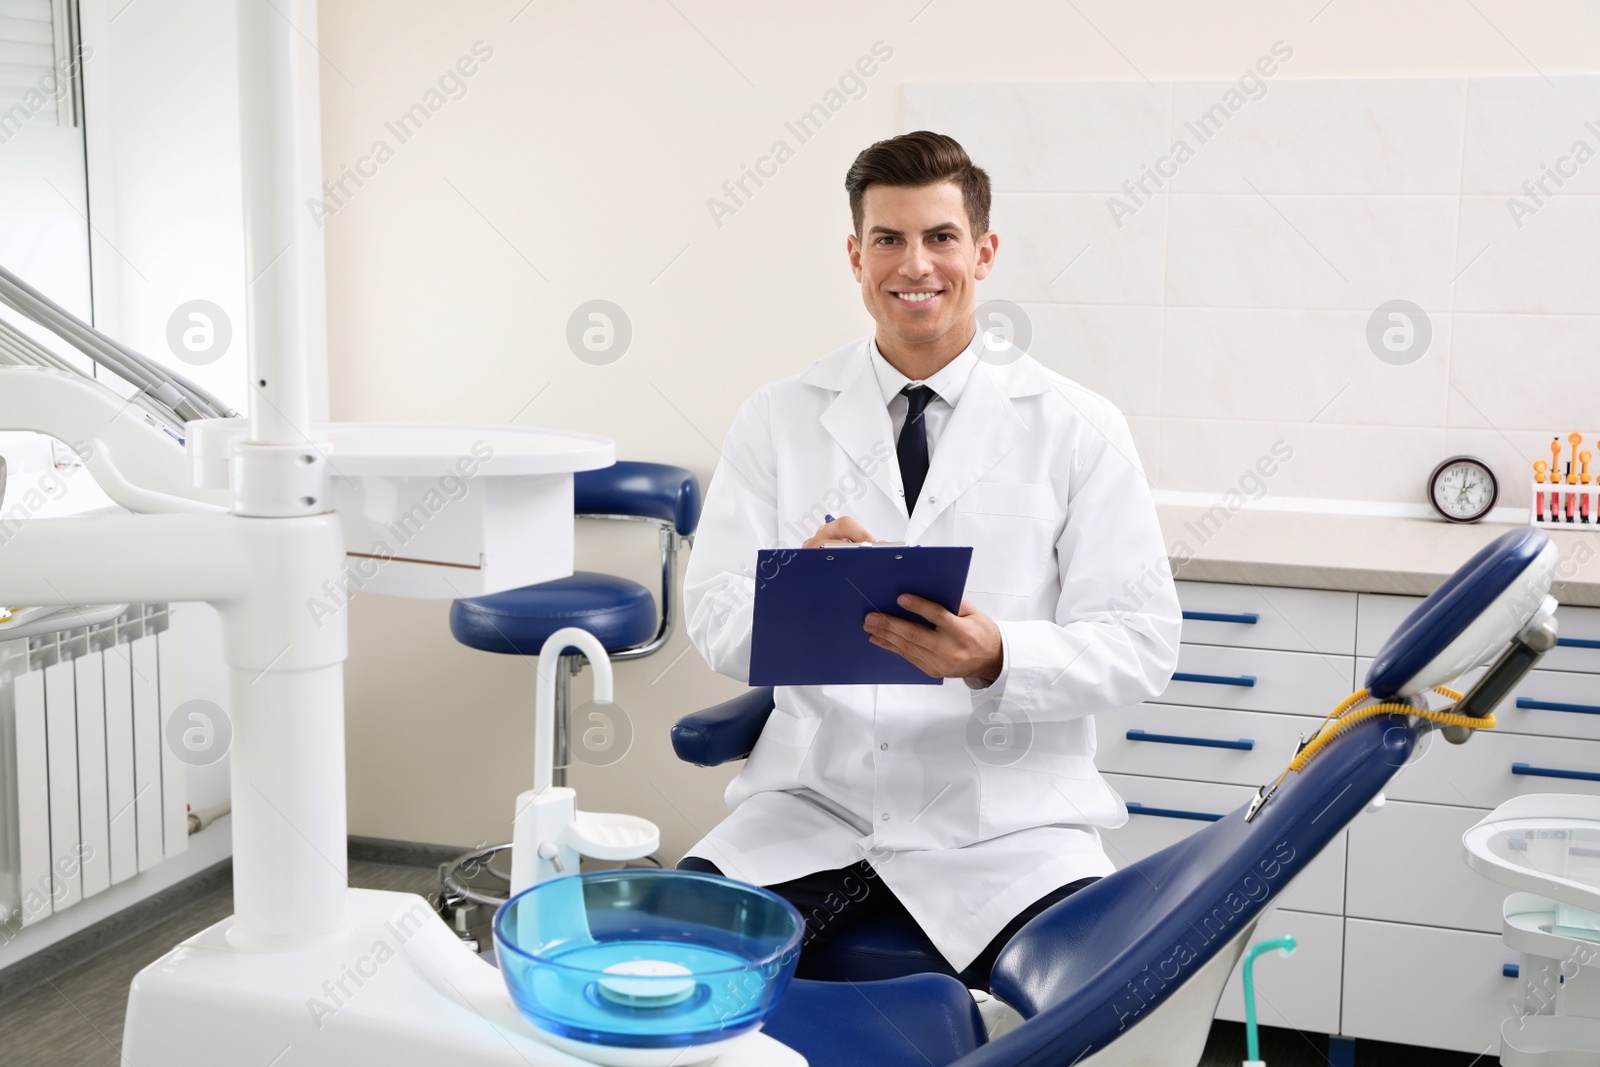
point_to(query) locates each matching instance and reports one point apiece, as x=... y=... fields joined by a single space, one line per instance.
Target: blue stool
x=621 y=614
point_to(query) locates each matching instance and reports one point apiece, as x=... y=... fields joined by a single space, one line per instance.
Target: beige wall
x=577 y=166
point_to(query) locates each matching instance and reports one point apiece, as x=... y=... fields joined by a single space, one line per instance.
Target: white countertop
x=1368 y=554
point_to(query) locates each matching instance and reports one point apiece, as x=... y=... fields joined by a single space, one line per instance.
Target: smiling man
x=970 y=806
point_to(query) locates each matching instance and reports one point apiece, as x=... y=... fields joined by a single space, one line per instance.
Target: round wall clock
x=1462 y=489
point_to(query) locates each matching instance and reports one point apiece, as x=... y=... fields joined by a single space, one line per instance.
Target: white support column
x=289 y=869
x=286 y=666
x=280 y=153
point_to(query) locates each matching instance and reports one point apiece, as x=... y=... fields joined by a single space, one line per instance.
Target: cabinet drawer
x=1293 y=620
x=1254 y=679
x=1579 y=649
x=1406 y=865
x=1423 y=986
x=1300 y=991
x=1547 y=703
x=1169 y=810
x=1493 y=767
x=1378 y=616
x=1578 y=643
x=1555 y=703
x=1201 y=744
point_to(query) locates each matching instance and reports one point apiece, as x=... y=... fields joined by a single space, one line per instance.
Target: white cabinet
x=1405 y=866
x=1399 y=940
x=1251 y=616
x=1300 y=990
x=1203 y=744
x=1257 y=679
x=1493 y=767
x=1422 y=985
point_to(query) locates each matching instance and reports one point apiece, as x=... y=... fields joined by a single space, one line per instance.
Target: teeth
x=916 y=298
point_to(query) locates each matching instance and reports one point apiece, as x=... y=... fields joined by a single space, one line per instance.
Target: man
x=975 y=804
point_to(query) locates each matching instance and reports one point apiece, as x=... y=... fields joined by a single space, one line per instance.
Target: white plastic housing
x=435 y=511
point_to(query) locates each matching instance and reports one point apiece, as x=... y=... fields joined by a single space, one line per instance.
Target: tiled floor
x=76 y=1019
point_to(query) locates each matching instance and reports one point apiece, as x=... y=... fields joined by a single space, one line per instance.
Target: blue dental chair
x=1129 y=970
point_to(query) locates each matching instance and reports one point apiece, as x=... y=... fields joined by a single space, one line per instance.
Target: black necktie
x=913 y=445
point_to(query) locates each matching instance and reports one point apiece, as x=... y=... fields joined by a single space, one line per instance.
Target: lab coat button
x=885 y=816
x=884 y=747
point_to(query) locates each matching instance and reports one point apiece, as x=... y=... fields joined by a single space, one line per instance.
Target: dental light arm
x=139 y=466
x=131 y=446
x=170 y=395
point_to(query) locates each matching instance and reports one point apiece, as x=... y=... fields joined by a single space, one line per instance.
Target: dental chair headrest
x=1468 y=619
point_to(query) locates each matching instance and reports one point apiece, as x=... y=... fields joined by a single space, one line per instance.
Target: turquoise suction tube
x=1252 y=1042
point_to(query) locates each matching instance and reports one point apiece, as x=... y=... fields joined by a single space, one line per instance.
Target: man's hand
x=844 y=528
x=959 y=646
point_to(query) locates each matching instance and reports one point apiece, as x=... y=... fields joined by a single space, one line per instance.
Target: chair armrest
x=725 y=732
x=645 y=490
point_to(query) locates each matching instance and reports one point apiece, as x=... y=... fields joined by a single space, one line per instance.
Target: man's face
x=918 y=261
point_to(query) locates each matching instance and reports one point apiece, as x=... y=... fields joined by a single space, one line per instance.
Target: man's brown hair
x=920 y=158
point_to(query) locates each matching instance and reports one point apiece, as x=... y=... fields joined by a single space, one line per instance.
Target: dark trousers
x=833 y=901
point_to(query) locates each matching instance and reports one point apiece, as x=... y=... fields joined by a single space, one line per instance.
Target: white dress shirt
x=946 y=383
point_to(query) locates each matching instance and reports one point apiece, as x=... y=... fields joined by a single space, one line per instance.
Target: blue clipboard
x=810 y=603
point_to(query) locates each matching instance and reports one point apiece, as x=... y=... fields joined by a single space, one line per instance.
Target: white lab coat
x=969 y=803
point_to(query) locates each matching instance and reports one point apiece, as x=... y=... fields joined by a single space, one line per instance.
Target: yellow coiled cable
x=1341 y=719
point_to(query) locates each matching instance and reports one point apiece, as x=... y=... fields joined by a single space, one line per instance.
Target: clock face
x=1462 y=489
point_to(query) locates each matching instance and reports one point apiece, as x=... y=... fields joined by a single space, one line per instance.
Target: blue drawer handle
x=1553 y=772
x=1549 y=705
x=1511 y=970
x=1577 y=642
x=1246 y=680
x=1244 y=744
x=1135 y=808
x=1249 y=618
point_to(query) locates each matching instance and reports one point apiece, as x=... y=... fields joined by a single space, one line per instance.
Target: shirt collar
x=948 y=381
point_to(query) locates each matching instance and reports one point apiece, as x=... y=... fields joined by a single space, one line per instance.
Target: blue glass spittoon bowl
x=633 y=967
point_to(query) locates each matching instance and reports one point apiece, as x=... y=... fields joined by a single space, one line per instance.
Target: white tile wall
x=1517 y=126
x=1545 y=267
x=1279 y=251
x=1199 y=455
x=1356 y=137
x=1225 y=305
x=1114 y=350
x=1075 y=137
x=1065 y=248
x=1296 y=364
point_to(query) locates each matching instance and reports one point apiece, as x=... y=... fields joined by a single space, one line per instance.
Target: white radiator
x=99 y=796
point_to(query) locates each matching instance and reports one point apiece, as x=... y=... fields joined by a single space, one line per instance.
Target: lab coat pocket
x=1012 y=528
x=1043 y=790
x=790 y=731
